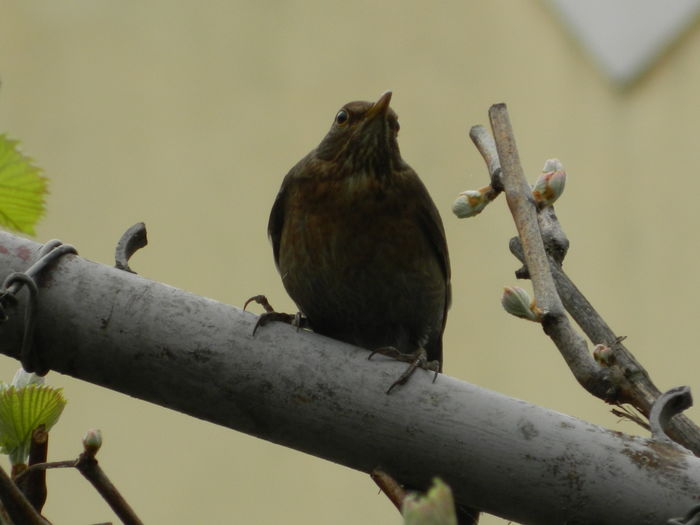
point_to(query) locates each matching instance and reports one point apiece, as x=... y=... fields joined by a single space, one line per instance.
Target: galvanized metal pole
x=301 y=390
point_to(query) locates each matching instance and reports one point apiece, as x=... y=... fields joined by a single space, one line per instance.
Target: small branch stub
x=389 y=486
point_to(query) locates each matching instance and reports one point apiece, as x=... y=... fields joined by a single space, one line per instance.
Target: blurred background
x=186 y=115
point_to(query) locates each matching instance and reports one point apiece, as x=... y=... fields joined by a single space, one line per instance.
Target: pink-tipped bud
x=603 y=355
x=550 y=185
x=471 y=202
x=517 y=302
x=92 y=441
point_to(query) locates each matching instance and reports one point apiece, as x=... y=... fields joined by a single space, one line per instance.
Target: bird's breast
x=349 y=223
x=353 y=251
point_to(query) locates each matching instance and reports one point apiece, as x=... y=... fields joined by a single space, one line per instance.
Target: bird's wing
x=432 y=227
x=428 y=219
x=431 y=224
x=275 y=224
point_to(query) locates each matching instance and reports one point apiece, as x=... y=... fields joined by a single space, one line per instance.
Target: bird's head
x=362 y=138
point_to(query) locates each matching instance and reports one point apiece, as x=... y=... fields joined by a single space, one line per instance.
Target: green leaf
x=437 y=507
x=21 y=411
x=22 y=189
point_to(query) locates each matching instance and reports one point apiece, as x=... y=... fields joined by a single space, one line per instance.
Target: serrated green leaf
x=22 y=188
x=21 y=411
x=437 y=507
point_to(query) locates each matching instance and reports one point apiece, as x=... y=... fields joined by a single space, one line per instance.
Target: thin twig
x=390 y=487
x=555 y=322
x=90 y=469
x=625 y=413
x=44 y=466
x=484 y=142
x=524 y=213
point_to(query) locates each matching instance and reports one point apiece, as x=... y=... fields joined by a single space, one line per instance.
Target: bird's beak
x=381 y=106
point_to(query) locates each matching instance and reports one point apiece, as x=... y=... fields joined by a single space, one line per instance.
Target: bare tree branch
x=542 y=245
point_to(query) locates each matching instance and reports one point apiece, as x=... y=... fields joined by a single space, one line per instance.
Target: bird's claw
x=297 y=319
x=418 y=359
x=262 y=301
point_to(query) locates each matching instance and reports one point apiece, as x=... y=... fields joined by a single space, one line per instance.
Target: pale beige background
x=187 y=114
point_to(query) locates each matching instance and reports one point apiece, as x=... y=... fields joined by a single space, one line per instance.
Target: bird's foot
x=297 y=319
x=418 y=359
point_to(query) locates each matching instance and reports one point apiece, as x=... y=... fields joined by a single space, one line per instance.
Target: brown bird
x=359 y=242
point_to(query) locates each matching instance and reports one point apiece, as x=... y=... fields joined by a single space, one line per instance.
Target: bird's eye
x=341 y=117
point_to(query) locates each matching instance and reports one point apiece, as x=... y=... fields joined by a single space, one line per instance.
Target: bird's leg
x=418 y=359
x=270 y=315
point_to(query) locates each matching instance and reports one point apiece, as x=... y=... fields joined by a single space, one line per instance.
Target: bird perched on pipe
x=360 y=245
